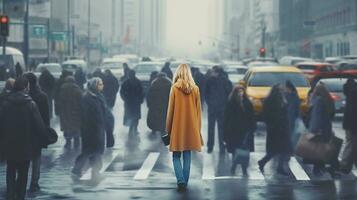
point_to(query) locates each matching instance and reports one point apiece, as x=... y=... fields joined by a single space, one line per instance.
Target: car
x=313 y=70
x=73 y=65
x=335 y=86
x=262 y=64
x=333 y=60
x=235 y=72
x=54 y=68
x=132 y=58
x=203 y=65
x=11 y=58
x=143 y=71
x=260 y=80
x=292 y=60
x=115 y=65
x=347 y=67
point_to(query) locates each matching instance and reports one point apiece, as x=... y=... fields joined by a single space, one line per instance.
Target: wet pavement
x=141 y=168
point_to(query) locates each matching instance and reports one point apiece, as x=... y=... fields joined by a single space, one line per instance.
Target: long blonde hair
x=183 y=73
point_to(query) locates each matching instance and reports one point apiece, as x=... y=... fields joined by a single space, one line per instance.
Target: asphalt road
x=142 y=169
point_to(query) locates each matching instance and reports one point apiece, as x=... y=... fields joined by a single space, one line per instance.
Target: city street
x=142 y=169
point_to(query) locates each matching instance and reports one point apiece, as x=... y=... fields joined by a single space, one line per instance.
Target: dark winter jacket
x=200 y=81
x=47 y=83
x=80 y=78
x=275 y=115
x=41 y=100
x=57 y=89
x=111 y=88
x=293 y=109
x=93 y=123
x=166 y=69
x=217 y=92
x=133 y=96
x=157 y=101
x=320 y=119
x=22 y=131
x=70 y=106
x=238 y=123
x=350 y=114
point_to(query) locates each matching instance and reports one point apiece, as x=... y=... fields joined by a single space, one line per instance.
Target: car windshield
x=6 y=60
x=112 y=65
x=147 y=68
x=51 y=68
x=269 y=79
x=70 y=67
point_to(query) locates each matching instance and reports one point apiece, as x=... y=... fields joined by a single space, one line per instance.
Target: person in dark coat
x=70 y=114
x=58 y=86
x=111 y=88
x=98 y=73
x=153 y=76
x=132 y=94
x=80 y=77
x=349 y=124
x=200 y=80
x=166 y=69
x=22 y=135
x=293 y=104
x=275 y=115
x=239 y=125
x=47 y=83
x=41 y=100
x=18 y=70
x=92 y=129
x=322 y=114
x=126 y=72
x=218 y=88
x=157 y=100
x=9 y=85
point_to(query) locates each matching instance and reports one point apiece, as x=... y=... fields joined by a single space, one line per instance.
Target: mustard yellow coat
x=183 y=122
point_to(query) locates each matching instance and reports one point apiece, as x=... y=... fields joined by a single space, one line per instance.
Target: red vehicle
x=347 y=67
x=315 y=70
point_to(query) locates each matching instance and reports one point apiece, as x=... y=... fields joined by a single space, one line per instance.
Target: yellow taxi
x=259 y=81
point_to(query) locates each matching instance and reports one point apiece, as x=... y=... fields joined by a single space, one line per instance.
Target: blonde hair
x=184 y=74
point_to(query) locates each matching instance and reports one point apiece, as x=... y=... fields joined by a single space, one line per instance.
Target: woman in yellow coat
x=183 y=123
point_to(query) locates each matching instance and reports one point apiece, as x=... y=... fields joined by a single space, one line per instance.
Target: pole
x=89 y=22
x=238 y=44
x=48 y=40
x=26 y=35
x=73 y=40
x=68 y=27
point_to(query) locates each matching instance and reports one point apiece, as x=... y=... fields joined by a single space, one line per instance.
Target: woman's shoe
x=181 y=187
x=261 y=165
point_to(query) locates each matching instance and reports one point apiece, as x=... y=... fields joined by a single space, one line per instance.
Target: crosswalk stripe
x=208 y=172
x=253 y=169
x=147 y=166
x=297 y=170
x=115 y=153
x=354 y=172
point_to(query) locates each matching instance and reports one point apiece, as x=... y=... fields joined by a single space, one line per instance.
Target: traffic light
x=262 y=52
x=4 y=26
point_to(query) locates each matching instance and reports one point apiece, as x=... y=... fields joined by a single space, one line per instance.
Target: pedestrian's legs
x=347 y=155
x=135 y=124
x=36 y=170
x=178 y=167
x=220 y=117
x=264 y=160
x=11 y=179
x=21 y=182
x=68 y=137
x=79 y=164
x=96 y=163
x=211 y=127
x=77 y=141
x=186 y=165
x=281 y=170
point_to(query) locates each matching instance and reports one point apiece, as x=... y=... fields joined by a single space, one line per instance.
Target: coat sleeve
x=198 y=104
x=170 y=111
x=39 y=128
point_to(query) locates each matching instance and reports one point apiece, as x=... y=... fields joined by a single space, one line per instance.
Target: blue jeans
x=182 y=174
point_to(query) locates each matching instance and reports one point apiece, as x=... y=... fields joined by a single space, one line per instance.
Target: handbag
x=242 y=155
x=166 y=139
x=312 y=149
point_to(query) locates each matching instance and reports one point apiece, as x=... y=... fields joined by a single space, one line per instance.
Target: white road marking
x=253 y=169
x=147 y=166
x=208 y=172
x=297 y=170
x=354 y=172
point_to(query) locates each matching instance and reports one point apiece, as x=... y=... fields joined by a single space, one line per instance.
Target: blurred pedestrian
x=18 y=70
x=58 y=86
x=9 y=85
x=47 y=83
x=111 y=88
x=70 y=111
x=200 y=81
x=239 y=126
x=126 y=72
x=153 y=76
x=22 y=133
x=157 y=100
x=98 y=73
x=132 y=94
x=293 y=106
x=92 y=130
x=41 y=100
x=275 y=115
x=218 y=88
x=322 y=114
x=166 y=69
x=80 y=77
x=349 y=155
x=183 y=123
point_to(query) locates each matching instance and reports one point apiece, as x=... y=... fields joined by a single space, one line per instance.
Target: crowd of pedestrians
x=175 y=102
